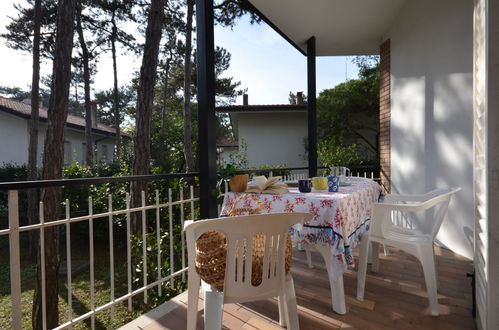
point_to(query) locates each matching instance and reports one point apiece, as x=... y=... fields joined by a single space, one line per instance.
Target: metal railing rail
x=17 y=185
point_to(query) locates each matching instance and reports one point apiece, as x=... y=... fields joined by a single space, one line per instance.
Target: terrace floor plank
x=395 y=298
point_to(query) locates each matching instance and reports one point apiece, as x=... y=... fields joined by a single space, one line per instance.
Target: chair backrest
x=240 y=235
x=442 y=197
x=438 y=198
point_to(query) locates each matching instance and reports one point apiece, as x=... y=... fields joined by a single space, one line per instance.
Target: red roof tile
x=227 y=143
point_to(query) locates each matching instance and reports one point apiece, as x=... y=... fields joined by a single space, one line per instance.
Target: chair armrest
x=405 y=198
x=428 y=201
x=413 y=207
x=420 y=198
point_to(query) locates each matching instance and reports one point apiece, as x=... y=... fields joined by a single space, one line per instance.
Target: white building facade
x=14 y=134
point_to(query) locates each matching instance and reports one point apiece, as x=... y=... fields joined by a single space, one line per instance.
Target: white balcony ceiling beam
x=341 y=27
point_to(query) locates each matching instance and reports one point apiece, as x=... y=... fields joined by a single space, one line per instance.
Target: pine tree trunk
x=52 y=164
x=162 y=151
x=32 y=194
x=86 y=80
x=145 y=100
x=165 y=97
x=116 y=106
x=188 y=153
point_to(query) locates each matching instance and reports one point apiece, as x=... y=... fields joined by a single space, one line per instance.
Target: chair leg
x=283 y=312
x=361 y=273
x=193 y=299
x=385 y=250
x=375 y=257
x=436 y=268
x=309 y=257
x=213 y=308
x=428 y=262
x=290 y=308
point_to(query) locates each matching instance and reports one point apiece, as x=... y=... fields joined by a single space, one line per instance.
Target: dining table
x=339 y=221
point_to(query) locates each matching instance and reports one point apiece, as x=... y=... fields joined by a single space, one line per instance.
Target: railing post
x=170 y=233
x=15 y=259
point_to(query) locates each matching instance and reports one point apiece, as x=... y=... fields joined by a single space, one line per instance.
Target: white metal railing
x=14 y=231
x=300 y=175
x=304 y=175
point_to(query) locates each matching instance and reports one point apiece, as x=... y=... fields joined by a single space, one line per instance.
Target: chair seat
x=403 y=235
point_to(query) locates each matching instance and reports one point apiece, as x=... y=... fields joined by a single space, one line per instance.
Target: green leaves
x=332 y=152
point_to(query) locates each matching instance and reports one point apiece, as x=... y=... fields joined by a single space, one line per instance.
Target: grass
x=81 y=290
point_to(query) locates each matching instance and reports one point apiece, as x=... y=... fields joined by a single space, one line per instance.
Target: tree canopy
x=348 y=113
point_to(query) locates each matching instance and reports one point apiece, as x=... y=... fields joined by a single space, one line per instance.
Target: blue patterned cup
x=333 y=183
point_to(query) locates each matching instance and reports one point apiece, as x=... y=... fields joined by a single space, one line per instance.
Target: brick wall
x=384 y=115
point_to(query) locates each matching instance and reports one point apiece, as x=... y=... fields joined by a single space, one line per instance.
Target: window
x=104 y=155
x=68 y=153
x=83 y=153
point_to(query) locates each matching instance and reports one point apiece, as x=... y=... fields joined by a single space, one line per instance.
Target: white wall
x=274 y=138
x=431 y=108
x=13 y=139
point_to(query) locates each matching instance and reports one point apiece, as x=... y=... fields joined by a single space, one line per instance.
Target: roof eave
x=71 y=125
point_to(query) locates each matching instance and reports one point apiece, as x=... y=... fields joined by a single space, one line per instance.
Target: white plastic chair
x=418 y=242
x=239 y=232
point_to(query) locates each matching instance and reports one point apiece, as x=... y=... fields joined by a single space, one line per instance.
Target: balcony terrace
x=395 y=296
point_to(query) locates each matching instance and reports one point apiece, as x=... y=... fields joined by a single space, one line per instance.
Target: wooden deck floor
x=395 y=299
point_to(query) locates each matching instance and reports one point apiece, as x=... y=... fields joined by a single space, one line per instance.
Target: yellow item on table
x=319 y=183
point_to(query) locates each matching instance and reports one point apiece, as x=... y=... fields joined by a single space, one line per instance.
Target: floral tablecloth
x=339 y=219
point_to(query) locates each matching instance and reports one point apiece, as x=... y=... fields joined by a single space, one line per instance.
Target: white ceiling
x=341 y=27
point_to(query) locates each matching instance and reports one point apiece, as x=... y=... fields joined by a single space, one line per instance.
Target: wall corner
x=385 y=116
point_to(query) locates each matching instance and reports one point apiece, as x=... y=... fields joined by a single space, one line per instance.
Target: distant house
x=274 y=134
x=225 y=149
x=14 y=134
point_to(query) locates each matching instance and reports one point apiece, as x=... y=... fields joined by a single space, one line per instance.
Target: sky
x=265 y=64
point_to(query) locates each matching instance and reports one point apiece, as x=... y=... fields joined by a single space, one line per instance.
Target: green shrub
x=12 y=172
x=275 y=172
x=152 y=263
x=334 y=152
